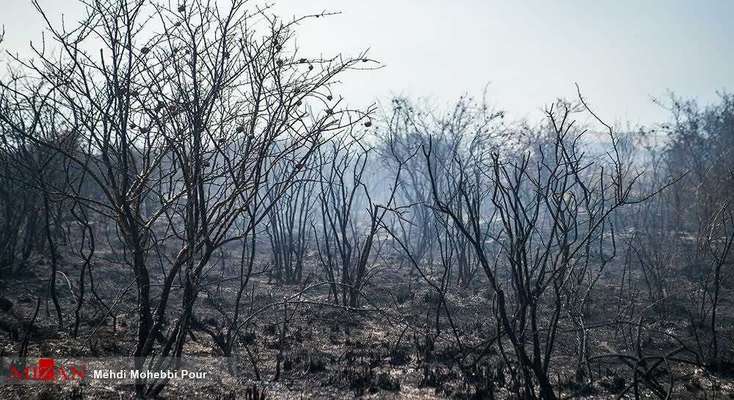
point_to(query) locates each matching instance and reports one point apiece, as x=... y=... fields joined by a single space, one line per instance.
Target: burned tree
x=546 y=211
x=346 y=250
x=179 y=128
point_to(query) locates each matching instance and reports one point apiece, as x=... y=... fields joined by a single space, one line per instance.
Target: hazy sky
x=622 y=53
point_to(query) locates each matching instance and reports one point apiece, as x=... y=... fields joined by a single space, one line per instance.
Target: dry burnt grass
x=386 y=349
